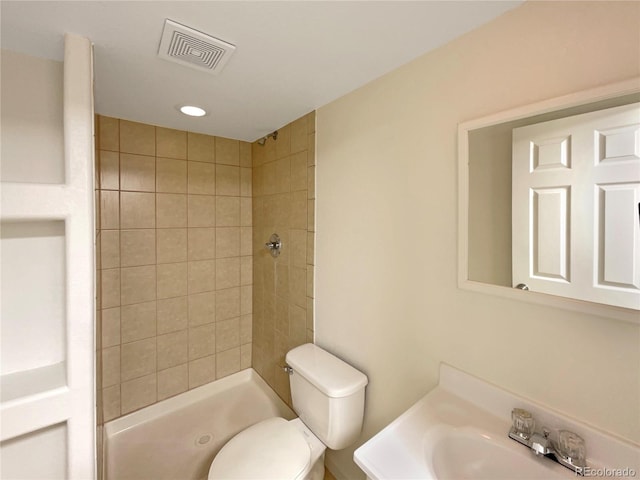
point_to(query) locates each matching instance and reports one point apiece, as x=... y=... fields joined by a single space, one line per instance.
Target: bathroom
x=386 y=298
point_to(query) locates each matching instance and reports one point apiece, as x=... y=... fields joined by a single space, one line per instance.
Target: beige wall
x=174 y=262
x=386 y=292
x=284 y=193
x=31 y=101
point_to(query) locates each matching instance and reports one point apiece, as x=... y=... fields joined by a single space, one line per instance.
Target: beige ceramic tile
x=171 y=175
x=245 y=182
x=257 y=181
x=245 y=154
x=245 y=356
x=311 y=149
x=201 y=178
x=172 y=349
x=137 y=247
x=270 y=180
x=299 y=171
x=310 y=309
x=110 y=366
x=246 y=300
x=137 y=138
x=311 y=182
x=283 y=144
x=202 y=341
x=173 y=381
x=298 y=247
x=311 y=122
x=283 y=175
x=227 y=242
x=137 y=173
x=202 y=243
x=171 y=210
x=202 y=276
x=109 y=209
x=310 y=248
x=299 y=210
x=299 y=135
x=110 y=248
x=258 y=157
x=227 y=272
x=228 y=362
x=246 y=212
x=227 y=151
x=202 y=211
x=200 y=148
x=246 y=241
x=110 y=327
x=108 y=133
x=227 y=211
x=297 y=318
x=311 y=215
x=227 y=304
x=138 y=359
x=310 y=274
x=270 y=151
x=138 y=284
x=138 y=321
x=138 y=393
x=201 y=371
x=202 y=308
x=246 y=329
x=298 y=286
x=110 y=288
x=172 y=314
x=111 y=402
x=172 y=245
x=282 y=316
x=171 y=143
x=137 y=210
x=109 y=170
x=227 y=180
x=172 y=280
x=246 y=270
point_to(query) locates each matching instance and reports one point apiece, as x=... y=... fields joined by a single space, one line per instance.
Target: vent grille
x=192 y=48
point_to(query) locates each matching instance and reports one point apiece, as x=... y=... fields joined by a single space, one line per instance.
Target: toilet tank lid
x=326 y=372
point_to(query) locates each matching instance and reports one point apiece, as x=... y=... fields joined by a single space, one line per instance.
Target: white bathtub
x=177 y=438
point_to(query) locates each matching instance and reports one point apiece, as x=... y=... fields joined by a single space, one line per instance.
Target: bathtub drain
x=203 y=439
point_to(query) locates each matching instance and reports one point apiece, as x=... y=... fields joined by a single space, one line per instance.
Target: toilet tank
x=327 y=395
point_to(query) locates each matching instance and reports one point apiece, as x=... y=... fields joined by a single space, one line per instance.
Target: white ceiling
x=291 y=56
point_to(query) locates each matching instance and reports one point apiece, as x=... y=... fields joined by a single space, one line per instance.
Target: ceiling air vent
x=192 y=48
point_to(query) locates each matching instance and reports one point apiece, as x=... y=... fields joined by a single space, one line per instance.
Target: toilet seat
x=271 y=449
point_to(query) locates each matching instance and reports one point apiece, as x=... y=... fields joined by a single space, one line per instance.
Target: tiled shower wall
x=174 y=262
x=283 y=203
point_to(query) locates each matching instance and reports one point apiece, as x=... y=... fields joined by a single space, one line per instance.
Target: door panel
x=576 y=226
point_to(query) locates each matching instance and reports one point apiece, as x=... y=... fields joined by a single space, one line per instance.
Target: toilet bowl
x=328 y=396
x=274 y=449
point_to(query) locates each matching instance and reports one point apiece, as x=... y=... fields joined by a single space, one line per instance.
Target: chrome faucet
x=568 y=448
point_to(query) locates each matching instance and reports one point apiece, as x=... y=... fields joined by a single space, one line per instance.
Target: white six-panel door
x=576 y=206
x=47 y=407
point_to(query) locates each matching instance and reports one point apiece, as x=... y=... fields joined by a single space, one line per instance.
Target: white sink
x=468 y=453
x=460 y=431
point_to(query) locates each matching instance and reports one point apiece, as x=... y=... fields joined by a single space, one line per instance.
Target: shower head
x=263 y=140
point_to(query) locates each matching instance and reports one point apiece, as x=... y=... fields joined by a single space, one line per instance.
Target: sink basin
x=470 y=454
x=459 y=431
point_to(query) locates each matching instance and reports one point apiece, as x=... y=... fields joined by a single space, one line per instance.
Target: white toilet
x=328 y=396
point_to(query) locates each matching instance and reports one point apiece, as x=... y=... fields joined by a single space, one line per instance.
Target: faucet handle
x=571 y=448
x=523 y=422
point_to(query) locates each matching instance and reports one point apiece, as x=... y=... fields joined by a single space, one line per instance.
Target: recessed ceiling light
x=192 y=111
